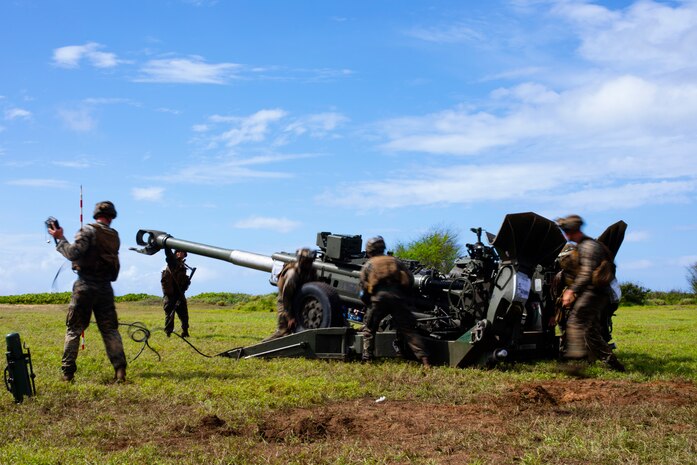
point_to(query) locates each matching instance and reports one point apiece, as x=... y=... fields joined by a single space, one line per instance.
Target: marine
x=95 y=258
x=588 y=295
x=384 y=282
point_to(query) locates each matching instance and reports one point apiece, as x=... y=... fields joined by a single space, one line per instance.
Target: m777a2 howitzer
x=495 y=304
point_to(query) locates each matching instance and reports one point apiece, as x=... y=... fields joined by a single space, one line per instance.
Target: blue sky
x=253 y=125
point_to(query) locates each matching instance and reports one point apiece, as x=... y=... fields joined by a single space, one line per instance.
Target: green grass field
x=186 y=408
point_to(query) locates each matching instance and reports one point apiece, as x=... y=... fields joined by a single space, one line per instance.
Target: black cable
x=138 y=332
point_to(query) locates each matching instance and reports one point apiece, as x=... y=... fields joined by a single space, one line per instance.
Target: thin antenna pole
x=82 y=336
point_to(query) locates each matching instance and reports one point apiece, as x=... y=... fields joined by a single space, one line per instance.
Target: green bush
x=37 y=299
x=136 y=298
x=633 y=294
x=688 y=301
x=655 y=302
x=673 y=297
x=224 y=299
x=437 y=248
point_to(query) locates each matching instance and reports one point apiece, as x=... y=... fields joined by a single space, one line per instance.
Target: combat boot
x=68 y=377
x=185 y=332
x=120 y=375
x=426 y=363
x=614 y=364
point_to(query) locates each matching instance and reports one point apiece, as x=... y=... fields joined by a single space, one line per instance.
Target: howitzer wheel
x=317 y=305
x=461 y=300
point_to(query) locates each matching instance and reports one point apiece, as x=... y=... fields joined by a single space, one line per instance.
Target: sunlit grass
x=95 y=421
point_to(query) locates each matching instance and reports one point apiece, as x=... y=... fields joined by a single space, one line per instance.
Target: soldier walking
x=95 y=257
x=588 y=296
x=384 y=282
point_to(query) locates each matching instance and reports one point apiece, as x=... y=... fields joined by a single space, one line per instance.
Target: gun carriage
x=494 y=304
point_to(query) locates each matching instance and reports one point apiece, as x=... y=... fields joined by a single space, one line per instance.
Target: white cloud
x=15 y=113
x=78 y=119
x=192 y=70
x=317 y=125
x=637 y=265
x=686 y=260
x=282 y=225
x=230 y=170
x=71 y=56
x=252 y=128
x=632 y=195
x=149 y=194
x=645 y=34
x=448 y=33
x=625 y=107
x=78 y=164
x=637 y=236
x=49 y=183
x=452 y=185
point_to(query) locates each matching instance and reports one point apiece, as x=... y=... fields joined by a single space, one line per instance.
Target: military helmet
x=375 y=246
x=305 y=256
x=105 y=208
x=570 y=223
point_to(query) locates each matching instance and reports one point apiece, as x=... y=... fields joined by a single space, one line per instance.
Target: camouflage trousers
x=584 y=335
x=385 y=303
x=89 y=297
x=282 y=327
x=175 y=304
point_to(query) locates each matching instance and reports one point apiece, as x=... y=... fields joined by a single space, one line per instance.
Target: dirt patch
x=611 y=393
x=496 y=428
x=403 y=420
x=487 y=430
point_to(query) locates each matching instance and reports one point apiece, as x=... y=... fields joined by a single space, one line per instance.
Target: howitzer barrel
x=156 y=240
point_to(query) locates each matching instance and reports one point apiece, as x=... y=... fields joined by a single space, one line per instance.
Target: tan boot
x=120 y=376
x=426 y=362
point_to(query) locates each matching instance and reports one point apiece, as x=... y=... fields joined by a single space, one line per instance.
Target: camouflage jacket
x=384 y=271
x=95 y=252
x=174 y=279
x=290 y=280
x=591 y=254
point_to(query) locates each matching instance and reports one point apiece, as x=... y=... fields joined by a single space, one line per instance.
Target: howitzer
x=490 y=306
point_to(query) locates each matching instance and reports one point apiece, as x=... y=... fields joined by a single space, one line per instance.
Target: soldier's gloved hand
x=568 y=298
x=56 y=233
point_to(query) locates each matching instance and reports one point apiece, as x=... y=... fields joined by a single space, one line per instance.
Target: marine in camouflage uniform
x=94 y=255
x=384 y=281
x=175 y=282
x=290 y=280
x=588 y=295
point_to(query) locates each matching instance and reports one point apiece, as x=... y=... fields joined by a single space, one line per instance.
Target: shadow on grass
x=650 y=365
x=197 y=374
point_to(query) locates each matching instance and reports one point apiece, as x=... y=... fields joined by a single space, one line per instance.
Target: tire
x=317 y=305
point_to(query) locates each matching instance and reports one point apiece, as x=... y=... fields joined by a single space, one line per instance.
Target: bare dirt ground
x=491 y=430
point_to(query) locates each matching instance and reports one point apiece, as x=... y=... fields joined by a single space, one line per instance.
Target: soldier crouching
x=384 y=281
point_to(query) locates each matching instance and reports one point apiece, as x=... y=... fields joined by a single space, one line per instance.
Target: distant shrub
x=688 y=301
x=135 y=297
x=37 y=299
x=655 y=302
x=221 y=299
x=259 y=303
x=633 y=294
x=673 y=297
x=244 y=301
x=63 y=298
